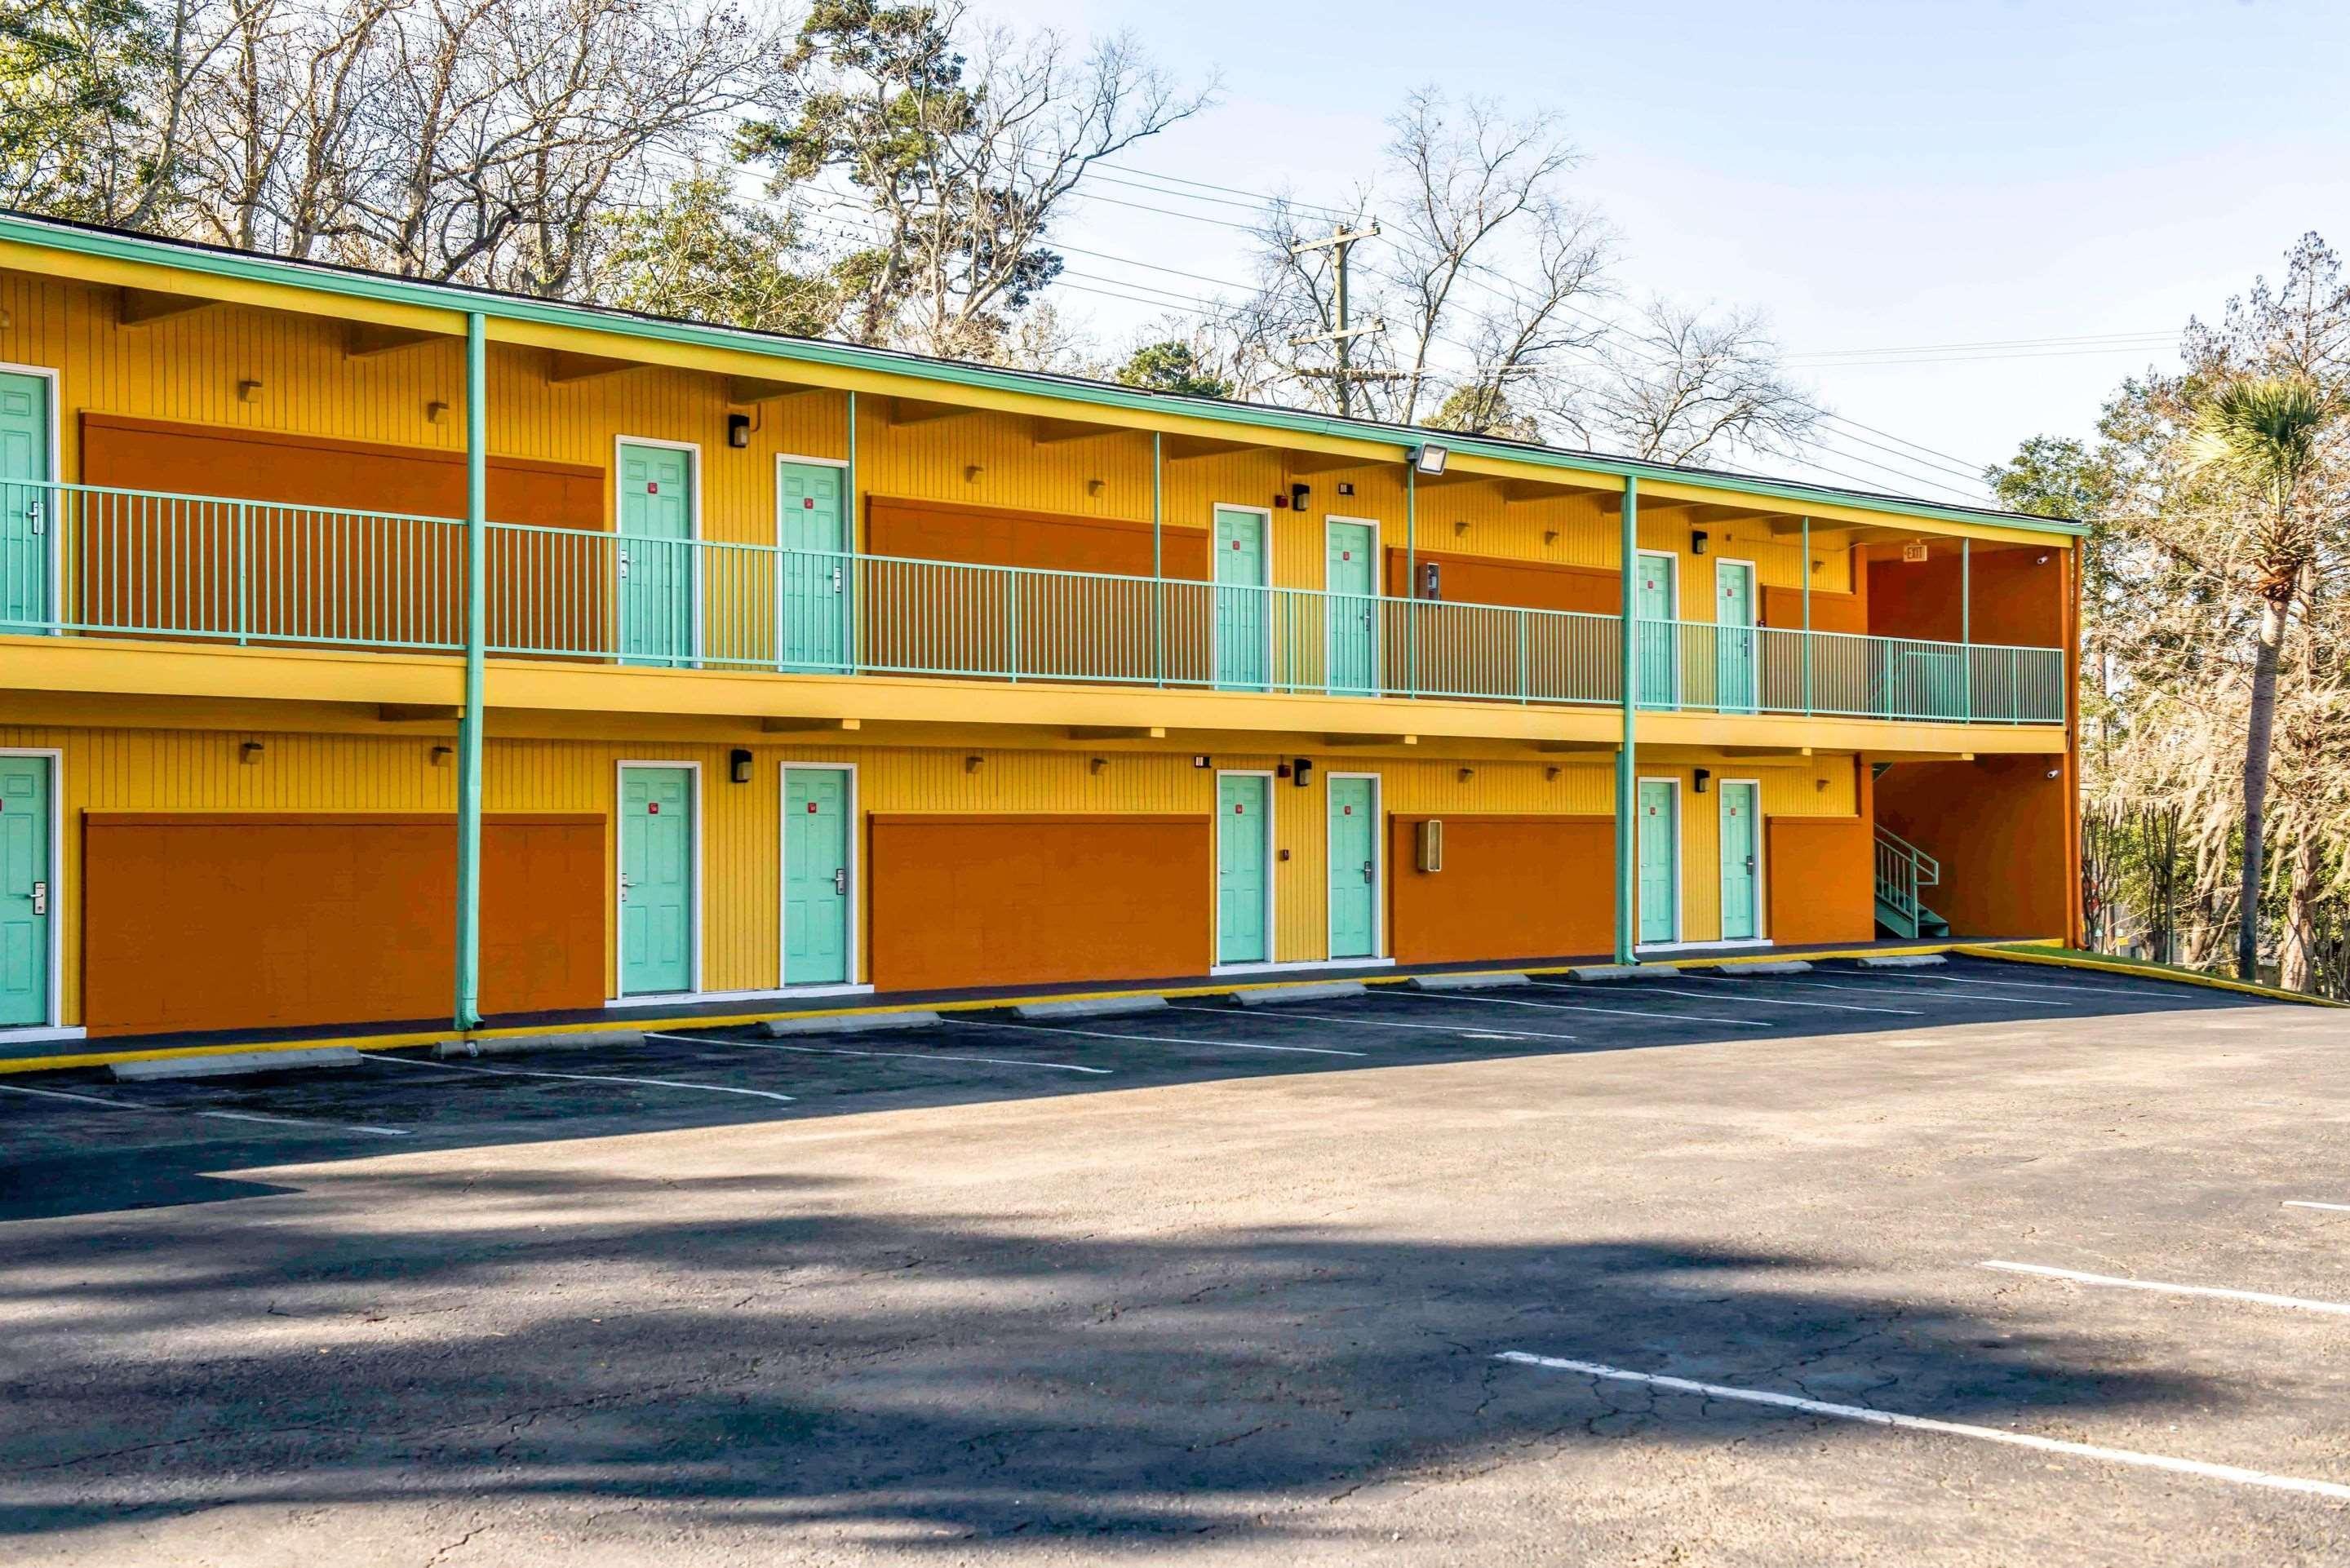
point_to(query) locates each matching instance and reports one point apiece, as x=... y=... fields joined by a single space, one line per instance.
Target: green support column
x=854 y=537
x=1411 y=571
x=1807 y=614
x=1628 y=786
x=469 y=729
x=1966 y=628
x=1159 y=552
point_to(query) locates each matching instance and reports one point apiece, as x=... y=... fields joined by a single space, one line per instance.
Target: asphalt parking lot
x=1973 y=1264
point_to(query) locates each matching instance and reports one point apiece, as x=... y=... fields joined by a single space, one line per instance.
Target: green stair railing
x=1902 y=871
x=91 y=559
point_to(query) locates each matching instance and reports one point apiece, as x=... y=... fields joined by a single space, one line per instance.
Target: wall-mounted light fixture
x=442 y=754
x=1095 y=764
x=1697 y=541
x=738 y=430
x=1430 y=458
x=1299 y=495
x=1460 y=526
x=971 y=472
x=1465 y=774
x=1699 y=780
x=1302 y=772
x=1551 y=772
x=1096 y=486
x=971 y=765
x=248 y=751
x=248 y=391
x=1199 y=761
x=738 y=765
x=435 y=412
x=1550 y=536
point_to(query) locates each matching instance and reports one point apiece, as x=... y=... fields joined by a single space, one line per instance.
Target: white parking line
x=2028 y=985
x=67 y=1094
x=1791 y=1002
x=2305 y=1203
x=1156 y=1039
x=306 y=1122
x=216 y=1115
x=1582 y=1007
x=1868 y=990
x=910 y=1055
x=577 y=1077
x=2259 y=1298
x=2202 y=1468
x=1395 y=1023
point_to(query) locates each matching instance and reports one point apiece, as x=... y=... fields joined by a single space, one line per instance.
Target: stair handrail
x=1926 y=870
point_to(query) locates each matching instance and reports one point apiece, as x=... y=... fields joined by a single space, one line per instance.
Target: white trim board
x=853 y=952
x=55 y=1004
x=619 y=922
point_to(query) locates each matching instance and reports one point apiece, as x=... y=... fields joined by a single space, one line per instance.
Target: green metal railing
x=1902 y=871
x=92 y=560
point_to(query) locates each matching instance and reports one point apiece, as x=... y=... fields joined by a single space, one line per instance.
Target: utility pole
x=1340 y=241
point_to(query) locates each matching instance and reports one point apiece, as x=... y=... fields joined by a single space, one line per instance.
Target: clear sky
x=1875 y=174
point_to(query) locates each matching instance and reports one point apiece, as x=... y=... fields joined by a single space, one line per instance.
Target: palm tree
x=2265 y=431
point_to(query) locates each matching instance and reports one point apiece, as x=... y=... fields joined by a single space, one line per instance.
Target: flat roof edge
x=57 y=235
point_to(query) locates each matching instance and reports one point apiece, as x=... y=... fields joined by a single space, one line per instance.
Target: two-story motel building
x=369 y=643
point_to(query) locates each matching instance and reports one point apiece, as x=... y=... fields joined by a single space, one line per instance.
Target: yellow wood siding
x=205 y=770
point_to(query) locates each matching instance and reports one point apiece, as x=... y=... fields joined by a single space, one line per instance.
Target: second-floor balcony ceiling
x=101 y=561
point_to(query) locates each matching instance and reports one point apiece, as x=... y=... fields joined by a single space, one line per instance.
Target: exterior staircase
x=1903 y=871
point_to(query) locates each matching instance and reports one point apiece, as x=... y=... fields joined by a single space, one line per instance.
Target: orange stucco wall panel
x=1512 y=887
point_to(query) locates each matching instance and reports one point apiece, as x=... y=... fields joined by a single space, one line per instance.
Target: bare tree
x=951 y=164
x=1481 y=271
x=1679 y=386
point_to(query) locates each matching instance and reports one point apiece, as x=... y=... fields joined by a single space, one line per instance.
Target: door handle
x=624 y=565
x=835 y=579
x=1367 y=875
x=840 y=881
x=625 y=885
x=33 y=521
x=1750 y=865
x=40 y=898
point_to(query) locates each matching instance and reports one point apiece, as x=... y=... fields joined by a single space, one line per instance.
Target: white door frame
x=621 y=994
x=692 y=451
x=1680 y=861
x=1754 y=645
x=56 y=379
x=1673 y=637
x=1272 y=938
x=1265 y=588
x=1378 y=863
x=856 y=915
x=51 y=1028
x=1379 y=583
x=1761 y=860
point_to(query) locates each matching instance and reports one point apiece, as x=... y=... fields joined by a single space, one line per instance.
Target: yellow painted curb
x=744 y=1020
x=2181 y=977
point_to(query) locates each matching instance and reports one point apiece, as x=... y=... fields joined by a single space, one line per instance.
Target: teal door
x=26 y=510
x=1243 y=850
x=1742 y=816
x=1733 y=639
x=1661 y=861
x=656 y=547
x=657 y=892
x=815 y=877
x=1658 y=649
x=25 y=891
x=814 y=570
x=1352 y=608
x=1354 y=868
x=1243 y=619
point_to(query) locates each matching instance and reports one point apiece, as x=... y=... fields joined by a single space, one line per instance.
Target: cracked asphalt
x=1211 y=1302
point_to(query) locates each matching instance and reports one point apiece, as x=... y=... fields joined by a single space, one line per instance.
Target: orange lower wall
x=224 y=920
x=1823 y=879
x=1512 y=888
x=2000 y=827
x=1030 y=900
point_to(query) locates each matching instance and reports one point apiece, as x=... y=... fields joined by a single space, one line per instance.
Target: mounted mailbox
x=1430 y=845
